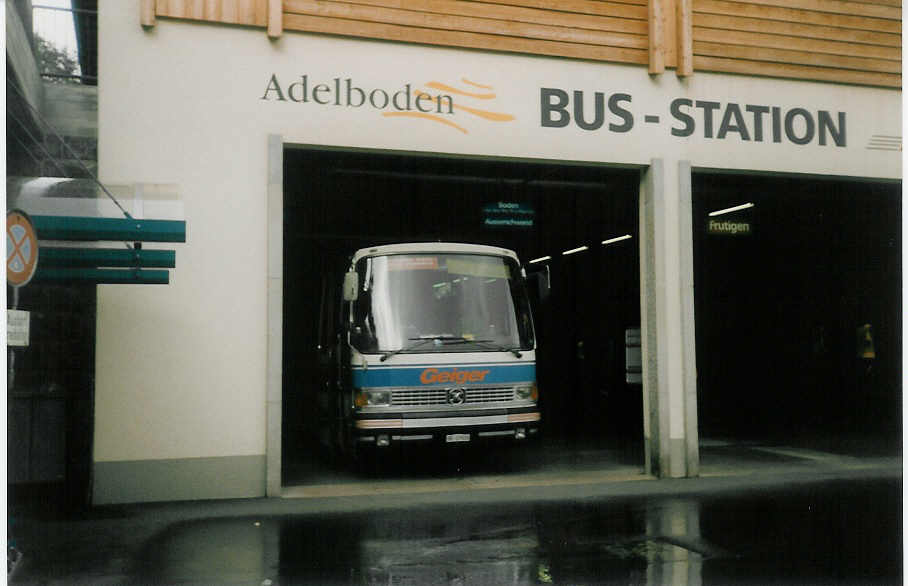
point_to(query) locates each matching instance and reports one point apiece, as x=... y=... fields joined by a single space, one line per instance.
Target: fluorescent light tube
x=617 y=239
x=573 y=250
x=743 y=206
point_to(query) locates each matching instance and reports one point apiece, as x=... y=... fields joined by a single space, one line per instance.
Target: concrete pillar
x=274 y=375
x=667 y=321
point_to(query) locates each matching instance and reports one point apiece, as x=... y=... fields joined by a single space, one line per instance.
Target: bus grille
x=419 y=397
x=489 y=395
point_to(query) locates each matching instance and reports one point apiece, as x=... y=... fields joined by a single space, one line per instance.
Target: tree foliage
x=54 y=61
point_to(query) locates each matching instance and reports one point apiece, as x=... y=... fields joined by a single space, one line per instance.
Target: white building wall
x=180 y=409
x=182 y=369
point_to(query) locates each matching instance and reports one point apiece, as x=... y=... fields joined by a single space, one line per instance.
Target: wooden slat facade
x=844 y=41
x=827 y=40
x=582 y=30
x=242 y=12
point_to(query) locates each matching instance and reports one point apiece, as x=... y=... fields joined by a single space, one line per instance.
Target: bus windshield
x=440 y=303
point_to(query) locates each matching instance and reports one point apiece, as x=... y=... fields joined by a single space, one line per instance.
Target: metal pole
x=11 y=374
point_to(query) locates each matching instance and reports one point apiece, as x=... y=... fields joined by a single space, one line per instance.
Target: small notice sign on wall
x=508 y=215
x=17 y=326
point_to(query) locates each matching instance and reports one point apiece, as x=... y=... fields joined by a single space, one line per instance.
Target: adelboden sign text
x=343 y=92
x=432 y=101
x=596 y=111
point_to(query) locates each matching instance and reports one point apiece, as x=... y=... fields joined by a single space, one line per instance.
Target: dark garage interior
x=799 y=322
x=338 y=201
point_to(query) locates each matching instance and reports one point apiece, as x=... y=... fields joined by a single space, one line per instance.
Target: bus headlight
x=527 y=393
x=372 y=398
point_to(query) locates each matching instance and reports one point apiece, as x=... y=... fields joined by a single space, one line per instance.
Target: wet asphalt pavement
x=823 y=522
x=838 y=533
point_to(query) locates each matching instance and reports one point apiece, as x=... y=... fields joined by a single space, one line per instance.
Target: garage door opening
x=578 y=223
x=798 y=310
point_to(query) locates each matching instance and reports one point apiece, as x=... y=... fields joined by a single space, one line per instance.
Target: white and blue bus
x=435 y=343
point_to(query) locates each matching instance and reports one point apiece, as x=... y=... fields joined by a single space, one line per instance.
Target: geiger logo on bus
x=433 y=375
x=437 y=102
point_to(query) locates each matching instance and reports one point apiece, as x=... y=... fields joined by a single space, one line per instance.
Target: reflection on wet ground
x=838 y=532
x=420 y=461
x=539 y=513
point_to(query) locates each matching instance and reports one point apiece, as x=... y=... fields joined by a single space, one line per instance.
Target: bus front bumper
x=448 y=426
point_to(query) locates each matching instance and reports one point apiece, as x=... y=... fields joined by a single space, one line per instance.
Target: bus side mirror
x=541 y=281
x=351 y=286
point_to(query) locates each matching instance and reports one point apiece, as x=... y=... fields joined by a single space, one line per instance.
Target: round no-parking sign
x=21 y=248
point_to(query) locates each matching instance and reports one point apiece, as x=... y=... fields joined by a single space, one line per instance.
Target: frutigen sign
x=706 y=118
x=728 y=228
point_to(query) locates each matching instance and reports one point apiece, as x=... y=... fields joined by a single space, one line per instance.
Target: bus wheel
x=367 y=459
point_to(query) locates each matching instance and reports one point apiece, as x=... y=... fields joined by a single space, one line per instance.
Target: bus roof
x=432 y=247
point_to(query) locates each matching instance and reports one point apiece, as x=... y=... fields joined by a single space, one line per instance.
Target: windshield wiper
x=419 y=342
x=448 y=339
x=492 y=344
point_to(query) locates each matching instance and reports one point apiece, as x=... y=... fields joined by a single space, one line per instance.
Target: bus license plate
x=457 y=437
